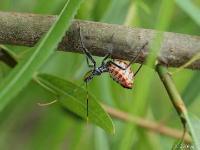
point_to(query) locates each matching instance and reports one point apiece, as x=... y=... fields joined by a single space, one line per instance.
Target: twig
x=172 y=91
x=150 y=125
x=27 y=29
x=173 y=94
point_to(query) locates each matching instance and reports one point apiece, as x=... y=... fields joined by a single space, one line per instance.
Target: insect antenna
x=87 y=99
x=86 y=52
x=86 y=84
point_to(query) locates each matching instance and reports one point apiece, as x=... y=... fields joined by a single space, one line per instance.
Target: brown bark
x=27 y=29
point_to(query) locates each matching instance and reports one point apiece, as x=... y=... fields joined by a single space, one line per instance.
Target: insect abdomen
x=123 y=77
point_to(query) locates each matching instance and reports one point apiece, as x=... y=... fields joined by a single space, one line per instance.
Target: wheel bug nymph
x=119 y=70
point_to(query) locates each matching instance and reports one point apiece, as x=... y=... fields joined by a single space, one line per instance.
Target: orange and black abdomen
x=123 y=77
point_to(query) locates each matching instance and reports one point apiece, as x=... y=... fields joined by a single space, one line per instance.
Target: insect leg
x=111 y=62
x=88 y=63
x=105 y=58
x=138 y=69
x=109 y=54
x=133 y=60
x=126 y=67
x=87 y=53
x=136 y=57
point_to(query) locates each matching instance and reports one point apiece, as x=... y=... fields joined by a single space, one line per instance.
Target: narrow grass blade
x=194 y=126
x=117 y=12
x=73 y=98
x=142 y=89
x=100 y=141
x=24 y=71
x=192 y=10
x=55 y=126
x=191 y=92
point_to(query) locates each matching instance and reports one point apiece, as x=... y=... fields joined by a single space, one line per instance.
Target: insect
x=119 y=70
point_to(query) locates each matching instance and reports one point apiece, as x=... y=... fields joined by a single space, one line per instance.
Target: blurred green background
x=26 y=126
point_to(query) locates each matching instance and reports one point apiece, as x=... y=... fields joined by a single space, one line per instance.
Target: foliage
x=74 y=98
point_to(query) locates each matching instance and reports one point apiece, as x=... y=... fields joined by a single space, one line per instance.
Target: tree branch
x=152 y=126
x=27 y=29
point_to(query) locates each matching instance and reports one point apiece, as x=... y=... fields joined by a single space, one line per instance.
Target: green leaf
x=10 y=52
x=144 y=7
x=192 y=10
x=4 y=70
x=73 y=98
x=101 y=141
x=194 y=126
x=191 y=92
x=60 y=125
x=50 y=7
x=99 y=9
x=24 y=71
x=117 y=11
